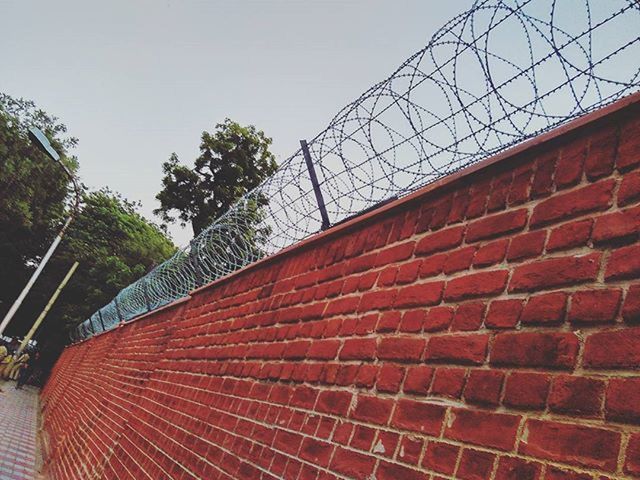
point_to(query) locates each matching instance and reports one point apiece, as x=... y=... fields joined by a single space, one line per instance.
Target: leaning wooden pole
x=44 y=312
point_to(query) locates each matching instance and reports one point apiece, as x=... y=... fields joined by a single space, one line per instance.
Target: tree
x=233 y=160
x=113 y=243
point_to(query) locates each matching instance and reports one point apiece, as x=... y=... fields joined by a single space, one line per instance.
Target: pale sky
x=136 y=80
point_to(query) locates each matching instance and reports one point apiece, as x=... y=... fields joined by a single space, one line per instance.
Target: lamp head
x=42 y=142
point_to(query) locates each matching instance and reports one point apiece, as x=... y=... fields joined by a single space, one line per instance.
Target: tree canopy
x=114 y=244
x=233 y=160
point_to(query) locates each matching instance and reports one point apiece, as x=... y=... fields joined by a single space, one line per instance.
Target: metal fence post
x=115 y=300
x=145 y=292
x=316 y=186
x=104 y=329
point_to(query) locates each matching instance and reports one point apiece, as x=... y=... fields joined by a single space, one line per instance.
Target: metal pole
x=14 y=308
x=44 y=312
x=101 y=321
x=316 y=186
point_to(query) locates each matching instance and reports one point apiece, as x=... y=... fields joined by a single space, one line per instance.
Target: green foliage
x=233 y=160
x=113 y=243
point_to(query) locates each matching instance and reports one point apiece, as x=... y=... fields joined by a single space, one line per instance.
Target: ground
x=18 y=428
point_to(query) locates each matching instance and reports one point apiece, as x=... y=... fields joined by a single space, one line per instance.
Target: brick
x=408 y=273
x=468 y=317
x=425 y=418
x=481 y=284
x=484 y=387
x=323 y=350
x=352 y=464
x=629 y=191
x=632 y=458
x=503 y=314
x=392 y=471
x=390 y=378
x=439 y=241
x=499 y=191
x=438 y=319
x=396 y=253
x=464 y=349
x=545 y=309
x=543 y=176
x=602 y=153
x=629 y=145
x=387 y=443
x=377 y=300
x=595 y=306
x=576 y=395
x=316 y=452
x=617 y=225
x=418 y=380
x=497 y=225
x=475 y=465
x=613 y=349
x=362 y=438
x=459 y=260
x=572 y=444
x=526 y=245
x=420 y=295
x=624 y=263
x=486 y=429
x=535 y=349
x=479 y=194
x=580 y=201
x=358 y=349
x=570 y=235
x=510 y=468
x=459 y=206
x=527 y=390
x=410 y=450
x=571 y=163
x=449 y=382
x=441 y=457
x=432 y=265
x=389 y=321
x=631 y=307
x=402 y=349
x=412 y=321
x=490 y=253
x=335 y=402
x=623 y=400
x=555 y=272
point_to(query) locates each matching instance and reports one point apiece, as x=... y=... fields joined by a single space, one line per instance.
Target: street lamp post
x=42 y=142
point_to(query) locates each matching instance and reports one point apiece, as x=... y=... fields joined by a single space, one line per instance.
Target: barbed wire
x=498 y=74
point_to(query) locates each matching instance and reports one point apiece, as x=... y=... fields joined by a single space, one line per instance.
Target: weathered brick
x=491 y=253
x=420 y=295
x=545 y=309
x=323 y=349
x=390 y=378
x=449 y=382
x=569 y=235
x=602 y=152
x=459 y=260
x=629 y=188
x=555 y=272
x=623 y=400
x=576 y=395
x=617 y=225
x=418 y=380
x=335 y=402
x=533 y=349
x=486 y=429
x=358 y=349
x=510 y=468
x=503 y=314
x=526 y=245
x=468 y=317
x=402 y=349
x=441 y=457
x=465 y=349
x=572 y=444
x=484 y=387
x=496 y=225
x=631 y=307
x=392 y=471
x=571 y=163
x=316 y=451
x=418 y=417
x=595 y=306
x=595 y=197
x=613 y=349
x=352 y=464
x=624 y=263
x=527 y=390
x=632 y=458
x=372 y=409
x=475 y=465
x=481 y=284
x=439 y=241
x=438 y=318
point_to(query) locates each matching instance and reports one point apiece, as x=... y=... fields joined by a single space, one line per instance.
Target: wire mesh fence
x=497 y=74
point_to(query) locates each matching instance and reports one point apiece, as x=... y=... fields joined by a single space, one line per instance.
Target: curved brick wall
x=483 y=328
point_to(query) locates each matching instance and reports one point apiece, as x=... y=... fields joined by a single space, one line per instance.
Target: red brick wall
x=487 y=327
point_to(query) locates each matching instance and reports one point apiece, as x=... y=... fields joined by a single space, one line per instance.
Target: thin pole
x=44 y=312
x=14 y=308
x=316 y=186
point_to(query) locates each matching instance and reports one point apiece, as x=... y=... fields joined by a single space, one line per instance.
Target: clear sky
x=136 y=80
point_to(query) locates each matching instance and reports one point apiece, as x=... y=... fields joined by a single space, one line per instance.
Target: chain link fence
x=497 y=74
